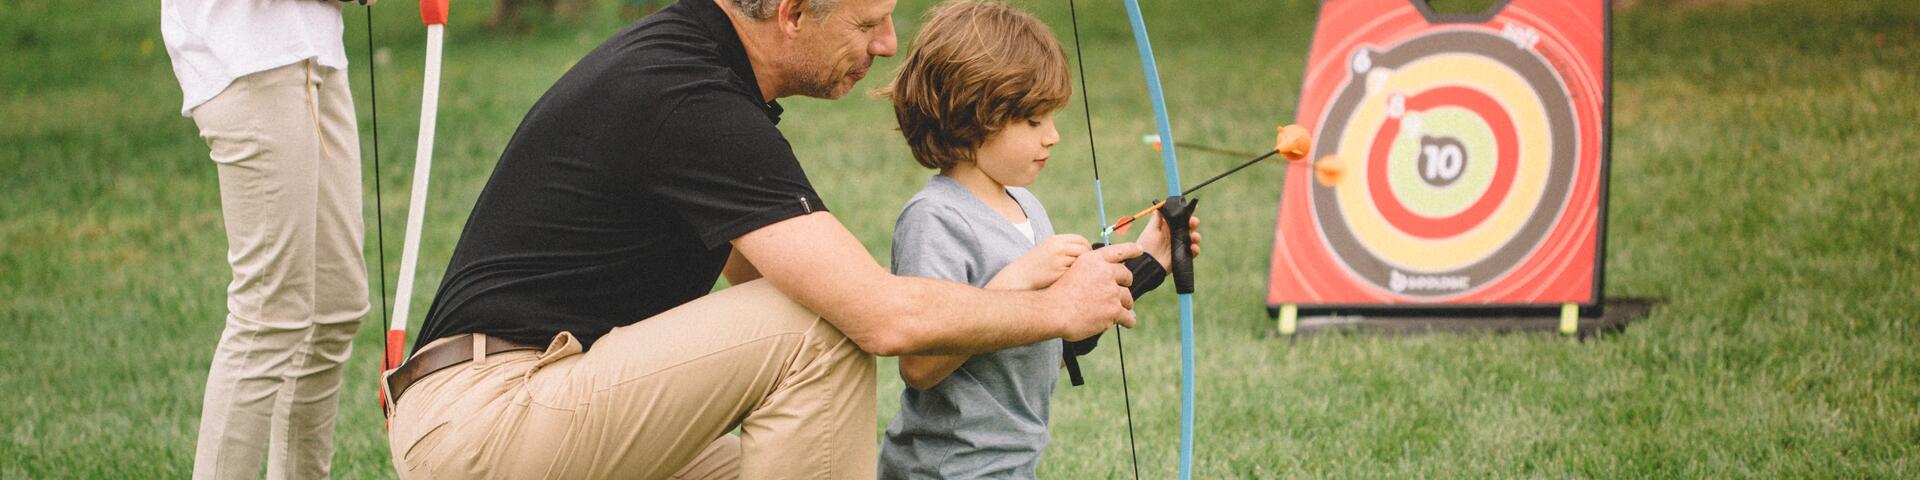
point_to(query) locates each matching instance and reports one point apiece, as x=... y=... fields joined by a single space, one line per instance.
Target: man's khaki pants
x=655 y=399
x=288 y=154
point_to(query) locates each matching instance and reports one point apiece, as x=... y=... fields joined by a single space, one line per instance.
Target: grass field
x=1763 y=186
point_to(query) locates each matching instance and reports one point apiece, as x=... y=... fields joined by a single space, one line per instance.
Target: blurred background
x=1762 y=185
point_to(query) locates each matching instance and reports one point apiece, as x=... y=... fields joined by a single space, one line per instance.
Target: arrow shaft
x=1209 y=181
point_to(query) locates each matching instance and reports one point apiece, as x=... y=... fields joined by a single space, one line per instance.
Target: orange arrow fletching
x=1329 y=170
x=1293 y=142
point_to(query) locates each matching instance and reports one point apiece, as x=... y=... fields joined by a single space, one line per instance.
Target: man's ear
x=788 y=16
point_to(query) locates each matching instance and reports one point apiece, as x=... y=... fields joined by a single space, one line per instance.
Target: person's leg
x=305 y=420
x=651 y=397
x=720 y=461
x=261 y=134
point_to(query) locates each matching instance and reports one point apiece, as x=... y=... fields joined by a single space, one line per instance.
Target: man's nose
x=884 y=43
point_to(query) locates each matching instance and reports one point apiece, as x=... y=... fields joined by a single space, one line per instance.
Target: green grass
x=1762 y=185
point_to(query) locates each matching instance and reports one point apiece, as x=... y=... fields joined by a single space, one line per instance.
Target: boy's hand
x=1155 y=239
x=1042 y=265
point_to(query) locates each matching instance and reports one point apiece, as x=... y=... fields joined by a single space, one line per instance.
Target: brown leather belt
x=441 y=356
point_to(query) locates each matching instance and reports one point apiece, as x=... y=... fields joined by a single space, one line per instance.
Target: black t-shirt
x=618 y=196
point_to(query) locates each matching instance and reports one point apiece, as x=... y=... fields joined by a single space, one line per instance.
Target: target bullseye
x=1505 y=157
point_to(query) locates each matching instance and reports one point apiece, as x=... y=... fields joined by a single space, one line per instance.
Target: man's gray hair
x=760 y=10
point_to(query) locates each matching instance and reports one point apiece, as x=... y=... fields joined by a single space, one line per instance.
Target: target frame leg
x=1289 y=319
x=1569 y=319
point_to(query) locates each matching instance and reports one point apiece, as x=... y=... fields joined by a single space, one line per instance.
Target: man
x=266 y=83
x=574 y=336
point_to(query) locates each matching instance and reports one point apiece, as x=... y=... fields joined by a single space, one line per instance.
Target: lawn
x=1763 y=186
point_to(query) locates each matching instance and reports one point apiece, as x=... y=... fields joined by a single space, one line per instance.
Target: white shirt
x=1026 y=228
x=213 y=42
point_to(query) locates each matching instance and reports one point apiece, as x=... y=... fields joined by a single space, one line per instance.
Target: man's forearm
x=948 y=318
x=818 y=263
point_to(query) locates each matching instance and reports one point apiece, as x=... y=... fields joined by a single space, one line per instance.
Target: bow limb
x=1182 y=261
x=434 y=14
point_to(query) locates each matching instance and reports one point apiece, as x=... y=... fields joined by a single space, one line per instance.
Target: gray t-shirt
x=989 y=418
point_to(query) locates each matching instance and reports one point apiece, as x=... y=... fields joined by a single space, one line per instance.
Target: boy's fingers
x=1072 y=239
x=1076 y=250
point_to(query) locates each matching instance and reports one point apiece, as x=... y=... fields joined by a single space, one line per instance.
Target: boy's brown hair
x=976 y=67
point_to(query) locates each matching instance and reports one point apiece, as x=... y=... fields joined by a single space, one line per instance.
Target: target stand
x=1476 y=156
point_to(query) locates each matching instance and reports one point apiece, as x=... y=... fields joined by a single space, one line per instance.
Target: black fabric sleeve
x=1147 y=274
x=721 y=166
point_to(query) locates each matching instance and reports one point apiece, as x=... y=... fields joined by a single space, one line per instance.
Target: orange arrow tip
x=1293 y=142
x=1329 y=170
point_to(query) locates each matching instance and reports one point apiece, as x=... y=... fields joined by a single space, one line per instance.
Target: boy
x=975 y=100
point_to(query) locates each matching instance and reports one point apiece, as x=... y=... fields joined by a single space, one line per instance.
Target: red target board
x=1475 y=149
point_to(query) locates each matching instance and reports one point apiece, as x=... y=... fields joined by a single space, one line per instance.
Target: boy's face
x=1015 y=155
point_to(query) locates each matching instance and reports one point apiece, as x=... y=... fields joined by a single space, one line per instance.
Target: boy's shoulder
x=940 y=196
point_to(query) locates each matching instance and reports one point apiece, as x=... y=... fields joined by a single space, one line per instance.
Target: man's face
x=834 y=53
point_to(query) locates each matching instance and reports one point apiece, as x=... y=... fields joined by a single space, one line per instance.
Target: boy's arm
x=931 y=242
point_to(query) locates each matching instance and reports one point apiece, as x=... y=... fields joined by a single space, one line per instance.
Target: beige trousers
x=288 y=153
x=655 y=399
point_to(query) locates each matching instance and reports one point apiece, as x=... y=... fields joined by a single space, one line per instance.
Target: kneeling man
x=574 y=336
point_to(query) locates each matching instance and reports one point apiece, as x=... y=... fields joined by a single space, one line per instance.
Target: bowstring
x=1100 y=202
x=379 y=216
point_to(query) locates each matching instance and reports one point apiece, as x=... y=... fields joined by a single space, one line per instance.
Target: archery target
x=1468 y=146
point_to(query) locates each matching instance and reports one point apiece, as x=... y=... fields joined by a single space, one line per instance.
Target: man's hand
x=1093 y=295
x=1042 y=265
x=1155 y=239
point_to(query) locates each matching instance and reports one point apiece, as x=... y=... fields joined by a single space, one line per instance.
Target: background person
x=266 y=82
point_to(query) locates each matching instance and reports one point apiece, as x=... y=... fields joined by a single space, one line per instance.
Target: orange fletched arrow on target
x=1329 y=170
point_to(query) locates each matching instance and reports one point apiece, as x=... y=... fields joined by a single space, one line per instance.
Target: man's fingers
x=1119 y=252
x=1126 y=318
x=1121 y=276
